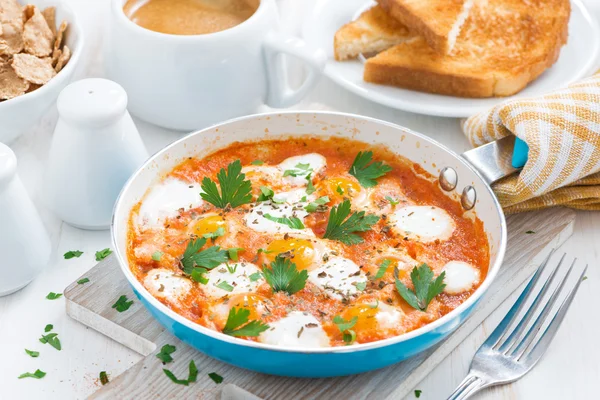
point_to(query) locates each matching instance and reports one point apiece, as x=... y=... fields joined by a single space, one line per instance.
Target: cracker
x=63 y=59
x=33 y=69
x=10 y=84
x=55 y=56
x=60 y=34
x=49 y=14
x=1 y=28
x=11 y=11
x=38 y=39
x=11 y=40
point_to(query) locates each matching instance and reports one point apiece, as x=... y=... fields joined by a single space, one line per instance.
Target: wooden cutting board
x=91 y=304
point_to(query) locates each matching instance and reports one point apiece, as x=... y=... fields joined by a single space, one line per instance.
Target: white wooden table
x=570 y=369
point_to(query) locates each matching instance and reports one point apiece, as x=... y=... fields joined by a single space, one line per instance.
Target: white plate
x=578 y=58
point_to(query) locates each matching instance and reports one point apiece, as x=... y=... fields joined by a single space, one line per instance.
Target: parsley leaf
x=292 y=222
x=197 y=275
x=48 y=328
x=342 y=229
x=103 y=378
x=392 y=201
x=213 y=235
x=225 y=286
x=382 y=269
x=236 y=320
x=310 y=188
x=426 y=288
x=367 y=174
x=255 y=276
x=156 y=256
x=257 y=162
x=192 y=375
x=418 y=393
x=265 y=194
x=52 y=340
x=339 y=190
x=32 y=353
x=83 y=280
x=122 y=304
x=361 y=286
x=215 y=377
x=165 y=353
x=38 y=374
x=233 y=253
x=317 y=205
x=530 y=232
x=72 y=254
x=53 y=296
x=174 y=379
x=102 y=254
x=284 y=277
x=345 y=327
x=235 y=189
x=209 y=258
x=299 y=170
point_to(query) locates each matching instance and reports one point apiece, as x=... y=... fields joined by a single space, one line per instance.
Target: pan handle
x=493 y=160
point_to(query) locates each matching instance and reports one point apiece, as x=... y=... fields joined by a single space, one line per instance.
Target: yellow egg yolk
x=301 y=251
x=389 y=271
x=209 y=225
x=338 y=187
x=365 y=314
x=255 y=303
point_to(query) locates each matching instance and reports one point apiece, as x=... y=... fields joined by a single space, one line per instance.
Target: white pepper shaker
x=24 y=242
x=95 y=149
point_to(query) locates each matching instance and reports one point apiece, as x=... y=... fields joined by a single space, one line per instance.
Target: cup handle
x=279 y=93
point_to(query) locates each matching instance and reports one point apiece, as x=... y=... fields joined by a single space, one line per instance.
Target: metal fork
x=516 y=344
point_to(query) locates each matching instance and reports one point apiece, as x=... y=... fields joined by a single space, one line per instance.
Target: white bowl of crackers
x=40 y=45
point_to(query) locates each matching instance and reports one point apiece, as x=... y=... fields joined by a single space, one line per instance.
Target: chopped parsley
x=38 y=374
x=103 y=378
x=361 y=286
x=426 y=288
x=382 y=269
x=48 y=328
x=283 y=276
x=32 y=353
x=584 y=278
x=310 y=188
x=317 y=205
x=197 y=275
x=233 y=253
x=157 y=255
x=122 y=304
x=392 y=201
x=53 y=296
x=235 y=190
x=102 y=254
x=257 y=162
x=345 y=327
x=530 y=232
x=225 y=286
x=299 y=170
x=52 y=340
x=209 y=258
x=73 y=254
x=83 y=280
x=165 y=353
x=213 y=235
x=255 y=276
x=192 y=375
x=237 y=324
x=339 y=190
x=292 y=222
x=215 y=377
x=367 y=174
x=341 y=229
x=265 y=194
x=418 y=393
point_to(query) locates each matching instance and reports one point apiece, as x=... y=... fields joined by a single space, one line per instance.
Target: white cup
x=186 y=82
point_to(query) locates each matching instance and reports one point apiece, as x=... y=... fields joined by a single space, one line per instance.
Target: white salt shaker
x=95 y=149
x=24 y=242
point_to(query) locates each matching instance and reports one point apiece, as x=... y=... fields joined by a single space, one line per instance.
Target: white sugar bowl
x=24 y=242
x=95 y=149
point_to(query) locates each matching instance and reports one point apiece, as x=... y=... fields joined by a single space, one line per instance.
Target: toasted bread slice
x=438 y=21
x=373 y=32
x=504 y=45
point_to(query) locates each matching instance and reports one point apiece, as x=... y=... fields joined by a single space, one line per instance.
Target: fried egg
x=292 y=171
x=338 y=188
x=339 y=277
x=423 y=223
x=284 y=205
x=232 y=278
x=166 y=199
x=460 y=277
x=306 y=253
x=297 y=329
x=373 y=320
x=208 y=223
x=255 y=303
x=165 y=284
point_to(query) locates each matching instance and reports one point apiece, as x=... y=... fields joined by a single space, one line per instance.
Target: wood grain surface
x=136 y=329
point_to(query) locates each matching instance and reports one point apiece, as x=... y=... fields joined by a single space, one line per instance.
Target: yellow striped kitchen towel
x=562 y=130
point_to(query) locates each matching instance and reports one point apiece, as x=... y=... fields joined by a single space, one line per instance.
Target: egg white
x=460 y=277
x=273 y=175
x=165 y=200
x=237 y=275
x=297 y=329
x=165 y=284
x=338 y=277
x=422 y=223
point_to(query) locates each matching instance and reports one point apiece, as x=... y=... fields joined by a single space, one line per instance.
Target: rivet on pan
x=468 y=198
x=448 y=179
